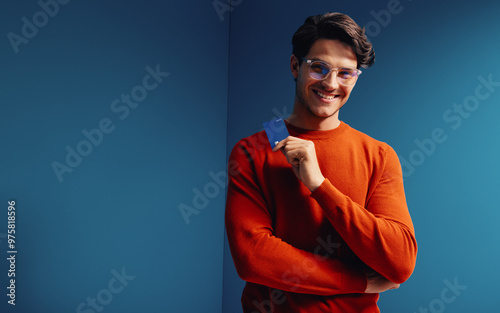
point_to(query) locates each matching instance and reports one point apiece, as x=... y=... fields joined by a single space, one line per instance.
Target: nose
x=330 y=82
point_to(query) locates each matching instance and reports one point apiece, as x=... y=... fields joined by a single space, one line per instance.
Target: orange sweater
x=308 y=252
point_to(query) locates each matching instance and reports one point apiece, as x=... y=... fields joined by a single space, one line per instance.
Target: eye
x=319 y=68
x=346 y=73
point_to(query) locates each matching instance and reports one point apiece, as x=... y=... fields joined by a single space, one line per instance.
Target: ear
x=294 y=66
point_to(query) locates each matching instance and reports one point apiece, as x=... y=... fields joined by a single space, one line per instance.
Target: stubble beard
x=305 y=104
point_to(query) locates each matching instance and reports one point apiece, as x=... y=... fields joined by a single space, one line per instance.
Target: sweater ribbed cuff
x=353 y=279
x=328 y=197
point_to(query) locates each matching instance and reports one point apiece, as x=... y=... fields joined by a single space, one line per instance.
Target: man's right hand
x=377 y=283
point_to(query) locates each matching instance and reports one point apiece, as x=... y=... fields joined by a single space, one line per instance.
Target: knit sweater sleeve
x=380 y=234
x=261 y=257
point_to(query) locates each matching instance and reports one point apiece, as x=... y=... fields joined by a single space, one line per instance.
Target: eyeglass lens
x=320 y=71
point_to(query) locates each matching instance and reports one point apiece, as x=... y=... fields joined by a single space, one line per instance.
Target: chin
x=323 y=113
x=324 y=110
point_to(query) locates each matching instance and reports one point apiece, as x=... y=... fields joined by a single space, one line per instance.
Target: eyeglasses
x=320 y=70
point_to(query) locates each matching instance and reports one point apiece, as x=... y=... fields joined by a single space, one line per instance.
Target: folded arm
x=381 y=234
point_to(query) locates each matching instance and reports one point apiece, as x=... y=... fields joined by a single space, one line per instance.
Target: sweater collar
x=316 y=134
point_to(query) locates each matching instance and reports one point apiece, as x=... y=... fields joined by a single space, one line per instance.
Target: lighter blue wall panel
x=431 y=60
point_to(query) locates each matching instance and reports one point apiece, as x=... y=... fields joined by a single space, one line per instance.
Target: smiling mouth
x=326 y=97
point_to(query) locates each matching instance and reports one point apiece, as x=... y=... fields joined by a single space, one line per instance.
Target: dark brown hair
x=333 y=26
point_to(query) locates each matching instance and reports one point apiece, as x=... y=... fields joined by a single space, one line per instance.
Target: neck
x=303 y=118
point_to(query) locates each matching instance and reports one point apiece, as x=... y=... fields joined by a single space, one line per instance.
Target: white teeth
x=322 y=95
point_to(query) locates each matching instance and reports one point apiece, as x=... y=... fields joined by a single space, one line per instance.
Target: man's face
x=323 y=98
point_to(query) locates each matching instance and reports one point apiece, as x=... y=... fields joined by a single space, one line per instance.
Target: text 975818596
x=11 y=252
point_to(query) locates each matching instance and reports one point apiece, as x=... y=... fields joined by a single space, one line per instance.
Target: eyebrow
x=317 y=59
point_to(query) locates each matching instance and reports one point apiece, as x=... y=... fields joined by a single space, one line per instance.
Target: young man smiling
x=320 y=222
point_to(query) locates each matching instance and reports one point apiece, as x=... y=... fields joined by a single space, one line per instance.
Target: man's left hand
x=301 y=154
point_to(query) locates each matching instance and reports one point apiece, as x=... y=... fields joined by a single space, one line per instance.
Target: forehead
x=334 y=52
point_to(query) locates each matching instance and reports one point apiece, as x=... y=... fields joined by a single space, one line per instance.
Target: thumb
x=279 y=145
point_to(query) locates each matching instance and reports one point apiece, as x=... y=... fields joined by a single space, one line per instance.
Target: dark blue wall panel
x=151 y=77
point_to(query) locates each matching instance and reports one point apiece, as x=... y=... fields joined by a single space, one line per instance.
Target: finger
x=292 y=142
x=293 y=157
x=280 y=144
x=296 y=153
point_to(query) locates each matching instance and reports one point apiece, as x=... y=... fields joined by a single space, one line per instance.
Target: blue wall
x=116 y=214
x=429 y=56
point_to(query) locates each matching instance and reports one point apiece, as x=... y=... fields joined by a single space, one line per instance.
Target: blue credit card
x=276 y=131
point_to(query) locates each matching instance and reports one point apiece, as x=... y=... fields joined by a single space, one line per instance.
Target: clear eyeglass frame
x=345 y=76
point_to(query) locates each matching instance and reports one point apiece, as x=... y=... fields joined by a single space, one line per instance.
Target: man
x=320 y=222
